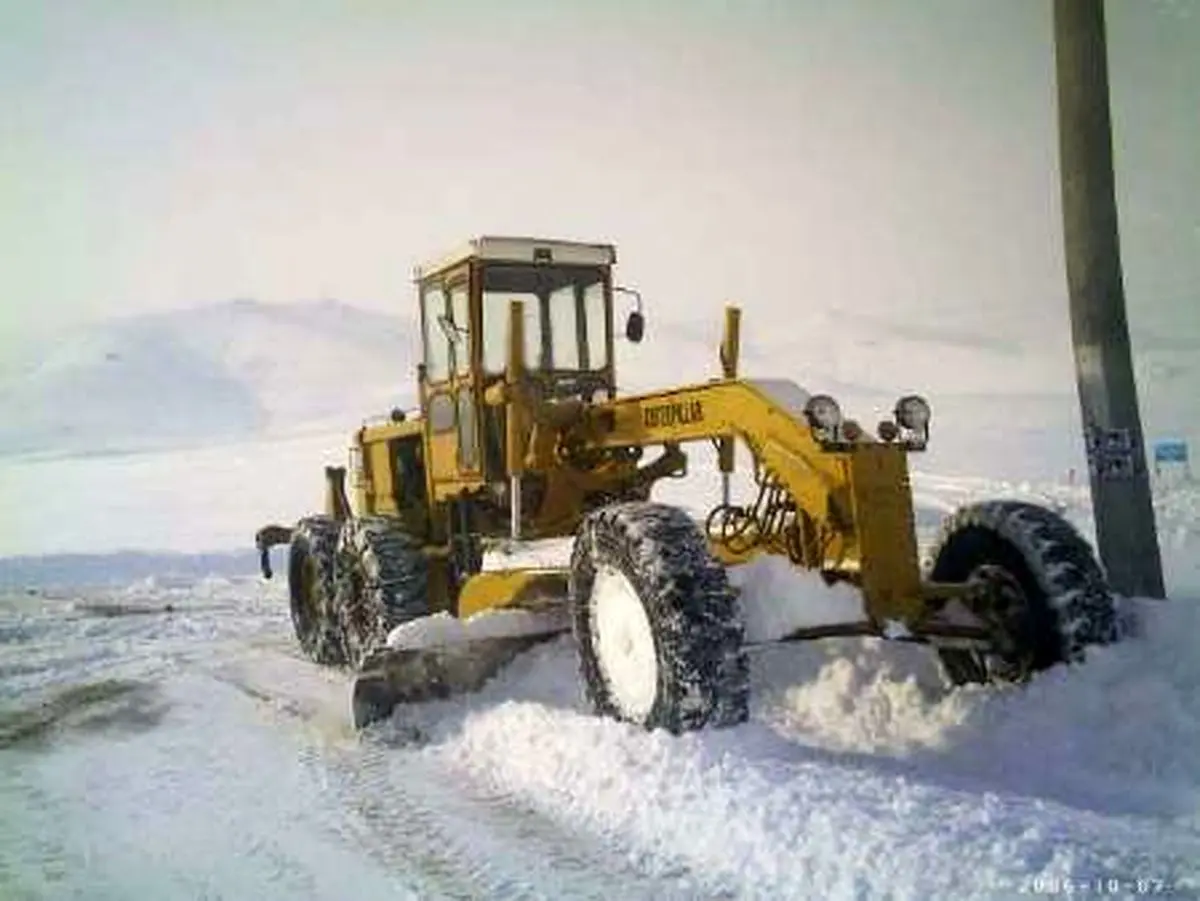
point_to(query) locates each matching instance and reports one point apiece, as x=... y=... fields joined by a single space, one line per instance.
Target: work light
x=823 y=413
x=913 y=413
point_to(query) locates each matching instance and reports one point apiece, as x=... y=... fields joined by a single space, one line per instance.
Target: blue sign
x=1172 y=450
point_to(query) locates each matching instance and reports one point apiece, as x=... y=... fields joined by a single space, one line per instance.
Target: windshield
x=566 y=323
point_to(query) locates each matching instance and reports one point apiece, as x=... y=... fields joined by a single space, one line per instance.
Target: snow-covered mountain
x=242 y=370
x=232 y=370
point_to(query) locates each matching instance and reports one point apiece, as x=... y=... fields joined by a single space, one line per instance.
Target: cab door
x=449 y=371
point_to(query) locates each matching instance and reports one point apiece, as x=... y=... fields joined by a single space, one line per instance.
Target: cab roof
x=521 y=250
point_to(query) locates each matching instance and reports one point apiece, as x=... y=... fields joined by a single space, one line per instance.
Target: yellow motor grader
x=521 y=434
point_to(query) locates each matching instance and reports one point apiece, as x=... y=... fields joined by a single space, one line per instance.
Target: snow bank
x=541 y=552
x=778 y=598
x=759 y=814
x=1117 y=734
x=861 y=773
x=443 y=629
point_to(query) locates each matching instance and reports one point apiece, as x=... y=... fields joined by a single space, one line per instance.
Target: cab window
x=460 y=328
x=596 y=319
x=566 y=326
x=437 y=342
x=564 y=346
x=495 y=330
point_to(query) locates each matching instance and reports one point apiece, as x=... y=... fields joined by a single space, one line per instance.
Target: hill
x=227 y=371
x=1002 y=386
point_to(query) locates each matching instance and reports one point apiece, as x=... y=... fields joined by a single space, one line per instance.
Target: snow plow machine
x=521 y=436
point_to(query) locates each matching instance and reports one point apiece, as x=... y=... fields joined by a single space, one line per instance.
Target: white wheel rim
x=624 y=643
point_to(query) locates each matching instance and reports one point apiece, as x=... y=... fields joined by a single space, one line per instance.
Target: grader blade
x=393 y=676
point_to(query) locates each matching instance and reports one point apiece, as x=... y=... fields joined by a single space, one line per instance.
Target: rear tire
x=382 y=582
x=311 y=587
x=1054 y=598
x=658 y=628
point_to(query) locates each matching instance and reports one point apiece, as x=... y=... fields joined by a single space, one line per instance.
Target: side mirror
x=635 y=327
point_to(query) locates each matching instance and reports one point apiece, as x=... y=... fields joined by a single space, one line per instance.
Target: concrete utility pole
x=1125 y=527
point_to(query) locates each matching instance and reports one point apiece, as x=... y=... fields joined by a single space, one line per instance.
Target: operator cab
x=567 y=292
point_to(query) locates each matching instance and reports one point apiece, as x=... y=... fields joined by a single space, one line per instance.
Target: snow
x=210 y=498
x=894 y=629
x=861 y=774
x=443 y=629
x=786 y=394
x=777 y=598
x=221 y=372
x=533 y=554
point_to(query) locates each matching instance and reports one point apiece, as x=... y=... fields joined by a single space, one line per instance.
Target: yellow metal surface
x=512 y=588
x=883 y=519
x=731 y=342
x=443 y=456
x=382 y=480
x=375 y=481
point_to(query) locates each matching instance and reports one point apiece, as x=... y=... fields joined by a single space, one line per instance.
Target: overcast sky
x=895 y=155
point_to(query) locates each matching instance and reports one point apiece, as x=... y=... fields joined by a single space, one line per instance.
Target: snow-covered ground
x=211 y=761
x=160 y=737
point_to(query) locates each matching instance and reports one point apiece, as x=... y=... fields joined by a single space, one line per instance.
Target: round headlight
x=913 y=412
x=823 y=412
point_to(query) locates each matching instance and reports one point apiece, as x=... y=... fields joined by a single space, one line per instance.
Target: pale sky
x=898 y=155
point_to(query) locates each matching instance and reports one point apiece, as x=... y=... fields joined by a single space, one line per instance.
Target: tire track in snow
x=491 y=841
x=398 y=804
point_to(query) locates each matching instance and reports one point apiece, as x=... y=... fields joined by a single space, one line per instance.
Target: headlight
x=823 y=412
x=913 y=413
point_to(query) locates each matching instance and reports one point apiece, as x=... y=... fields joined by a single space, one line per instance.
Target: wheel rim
x=624 y=643
x=1002 y=603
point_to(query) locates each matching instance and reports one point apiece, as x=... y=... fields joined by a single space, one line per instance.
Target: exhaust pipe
x=337 y=505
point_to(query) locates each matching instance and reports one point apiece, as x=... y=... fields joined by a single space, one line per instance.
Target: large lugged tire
x=1058 y=602
x=382 y=582
x=311 y=586
x=658 y=628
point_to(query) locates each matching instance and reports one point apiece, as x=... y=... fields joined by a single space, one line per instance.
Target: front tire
x=311 y=589
x=658 y=628
x=382 y=582
x=1039 y=585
